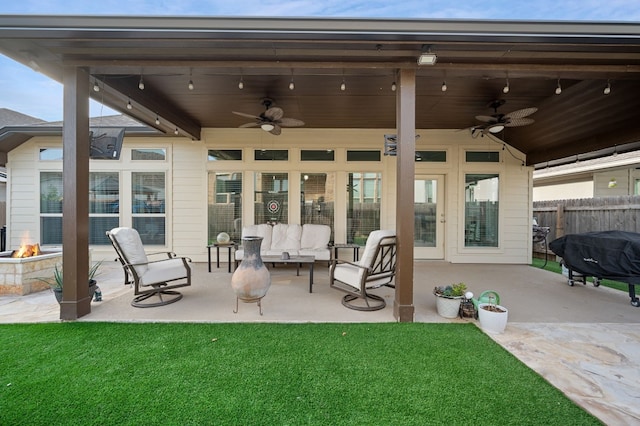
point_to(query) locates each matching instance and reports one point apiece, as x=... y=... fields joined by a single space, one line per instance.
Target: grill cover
x=614 y=255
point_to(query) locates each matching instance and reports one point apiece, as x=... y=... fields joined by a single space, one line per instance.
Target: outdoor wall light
x=426 y=57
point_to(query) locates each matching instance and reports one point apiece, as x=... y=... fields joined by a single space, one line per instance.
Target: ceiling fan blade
x=486 y=118
x=517 y=122
x=242 y=114
x=521 y=113
x=274 y=113
x=276 y=130
x=290 y=122
x=250 y=125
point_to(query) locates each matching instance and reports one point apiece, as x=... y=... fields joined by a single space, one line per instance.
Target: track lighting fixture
x=129 y=106
x=506 y=88
x=157 y=120
x=558 y=88
x=96 y=86
x=607 y=89
x=393 y=86
x=141 y=83
x=444 y=86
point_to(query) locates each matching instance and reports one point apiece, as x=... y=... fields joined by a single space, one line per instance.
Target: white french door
x=429 y=222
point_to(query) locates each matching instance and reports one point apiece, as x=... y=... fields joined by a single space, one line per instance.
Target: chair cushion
x=315 y=236
x=164 y=270
x=286 y=237
x=373 y=239
x=262 y=230
x=318 y=253
x=131 y=245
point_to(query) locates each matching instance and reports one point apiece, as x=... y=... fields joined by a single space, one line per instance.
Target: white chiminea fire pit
x=17 y=275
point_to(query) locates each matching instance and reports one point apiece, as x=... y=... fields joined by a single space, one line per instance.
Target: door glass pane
x=317 y=199
x=426 y=193
x=363 y=210
x=481 y=210
x=148 y=206
x=271 y=197
x=225 y=205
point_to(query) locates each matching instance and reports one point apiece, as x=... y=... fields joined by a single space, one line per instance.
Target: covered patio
x=347 y=74
x=584 y=340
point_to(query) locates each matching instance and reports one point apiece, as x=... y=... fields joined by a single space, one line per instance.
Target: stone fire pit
x=17 y=274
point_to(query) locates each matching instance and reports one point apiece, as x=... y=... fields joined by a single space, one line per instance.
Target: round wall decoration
x=273 y=206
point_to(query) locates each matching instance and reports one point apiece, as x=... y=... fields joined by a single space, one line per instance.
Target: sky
x=31 y=93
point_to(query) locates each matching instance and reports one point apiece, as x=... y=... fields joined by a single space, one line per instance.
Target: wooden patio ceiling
x=475 y=58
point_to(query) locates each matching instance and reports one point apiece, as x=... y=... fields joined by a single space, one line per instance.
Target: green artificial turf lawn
x=84 y=373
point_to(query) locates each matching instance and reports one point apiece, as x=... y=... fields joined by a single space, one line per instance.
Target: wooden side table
x=229 y=246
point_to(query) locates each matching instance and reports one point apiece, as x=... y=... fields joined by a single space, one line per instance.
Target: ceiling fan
x=271 y=120
x=496 y=122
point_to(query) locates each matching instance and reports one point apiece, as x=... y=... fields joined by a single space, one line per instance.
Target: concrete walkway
x=584 y=340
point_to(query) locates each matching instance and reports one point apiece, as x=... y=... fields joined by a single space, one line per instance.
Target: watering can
x=488 y=296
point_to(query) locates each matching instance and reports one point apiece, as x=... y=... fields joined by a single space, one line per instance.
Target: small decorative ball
x=468 y=295
x=223 y=238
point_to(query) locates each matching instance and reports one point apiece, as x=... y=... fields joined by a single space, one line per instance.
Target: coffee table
x=298 y=260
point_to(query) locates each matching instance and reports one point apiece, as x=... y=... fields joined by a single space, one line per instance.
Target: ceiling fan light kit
x=496 y=122
x=271 y=120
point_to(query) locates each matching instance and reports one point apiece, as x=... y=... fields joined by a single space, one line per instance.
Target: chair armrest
x=169 y=254
x=184 y=259
x=346 y=262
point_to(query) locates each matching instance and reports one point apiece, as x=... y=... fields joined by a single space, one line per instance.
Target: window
x=363 y=155
x=148 y=206
x=317 y=199
x=317 y=155
x=104 y=194
x=481 y=210
x=224 y=155
x=150 y=154
x=225 y=205
x=482 y=156
x=50 y=154
x=271 y=154
x=363 y=210
x=271 y=198
x=431 y=156
x=104 y=205
x=636 y=187
x=51 y=208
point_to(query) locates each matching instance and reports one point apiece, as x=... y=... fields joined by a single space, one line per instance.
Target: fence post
x=560 y=221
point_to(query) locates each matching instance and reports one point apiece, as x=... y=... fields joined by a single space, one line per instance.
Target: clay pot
x=251 y=279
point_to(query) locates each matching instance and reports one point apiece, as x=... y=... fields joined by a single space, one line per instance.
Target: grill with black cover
x=613 y=255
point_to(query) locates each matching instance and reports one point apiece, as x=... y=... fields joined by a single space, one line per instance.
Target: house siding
x=186 y=168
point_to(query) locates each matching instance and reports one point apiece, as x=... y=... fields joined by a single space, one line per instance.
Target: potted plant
x=56 y=283
x=448 y=299
x=492 y=317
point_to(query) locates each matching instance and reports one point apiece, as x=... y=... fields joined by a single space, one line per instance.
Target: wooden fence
x=588 y=215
